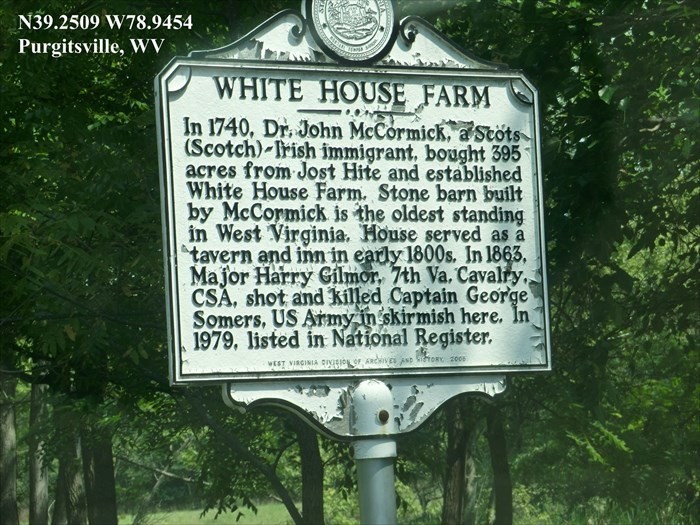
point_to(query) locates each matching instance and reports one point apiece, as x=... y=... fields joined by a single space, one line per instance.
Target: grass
x=273 y=513
x=268 y=514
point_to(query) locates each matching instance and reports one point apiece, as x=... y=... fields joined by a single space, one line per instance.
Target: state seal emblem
x=353 y=31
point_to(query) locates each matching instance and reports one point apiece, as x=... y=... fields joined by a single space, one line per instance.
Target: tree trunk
x=8 y=452
x=38 y=471
x=60 y=512
x=98 y=471
x=311 y=474
x=459 y=488
x=502 y=485
x=453 y=494
x=70 y=507
x=470 y=471
x=75 y=493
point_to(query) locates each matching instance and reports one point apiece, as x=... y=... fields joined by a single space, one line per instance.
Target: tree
x=8 y=451
x=461 y=418
x=38 y=467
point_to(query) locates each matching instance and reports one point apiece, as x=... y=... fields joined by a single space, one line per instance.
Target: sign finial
x=353 y=31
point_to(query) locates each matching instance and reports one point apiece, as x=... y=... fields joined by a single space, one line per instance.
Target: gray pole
x=375 y=481
x=372 y=409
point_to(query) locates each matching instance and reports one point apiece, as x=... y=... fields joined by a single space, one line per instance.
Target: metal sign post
x=375 y=480
x=372 y=404
x=353 y=225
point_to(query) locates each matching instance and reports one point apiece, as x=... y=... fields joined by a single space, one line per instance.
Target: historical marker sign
x=324 y=221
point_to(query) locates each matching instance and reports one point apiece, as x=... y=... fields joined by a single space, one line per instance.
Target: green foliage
x=599 y=511
x=618 y=418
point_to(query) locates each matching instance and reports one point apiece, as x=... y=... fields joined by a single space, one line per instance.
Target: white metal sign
x=324 y=221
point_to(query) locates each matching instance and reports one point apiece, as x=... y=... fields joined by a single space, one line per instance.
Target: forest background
x=91 y=428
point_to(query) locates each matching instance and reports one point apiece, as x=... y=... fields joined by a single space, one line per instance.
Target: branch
x=284 y=449
x=244 y=452
x=156 y=470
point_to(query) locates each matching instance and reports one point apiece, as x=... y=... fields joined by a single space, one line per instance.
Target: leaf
x=585 y=443
x=606 y=93
x=70 y=332
x=612 y=438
